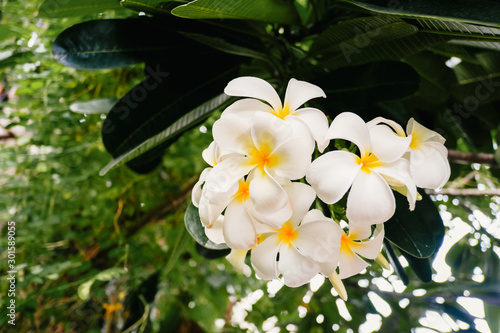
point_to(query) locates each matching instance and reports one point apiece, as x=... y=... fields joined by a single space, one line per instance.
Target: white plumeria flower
x=308 y=123
x=296 y=250
x=427 y=154
x=369 y=176
x=267 y=155
x=211 y=155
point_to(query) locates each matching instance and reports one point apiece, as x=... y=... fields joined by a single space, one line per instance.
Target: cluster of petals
x=252 y=198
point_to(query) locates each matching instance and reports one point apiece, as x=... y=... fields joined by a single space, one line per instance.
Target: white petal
x=349 y=126
x=215 y=233
x=295 y=268
x=350 y=264
x=269 y=131
x=253 y=87
x=210 y=212
x=399 y=171
x=299 y=92
x=196 y=191
x=232 y=134
x=423 y=133
x=237 y=259
x=370 y=200
x=239 y=231
x=301 y=197
x=387 y=145
x=391 y=123
x=264 y=258
x=319 y=241
x=429 y=165
x=359 y=231
x=224 y=177
x=332 y=174
x=211 y=154
x=370 y=249
x=316 y=122
x=314 y=215
x=268 y=196
x=292 y=158
x=246 y=108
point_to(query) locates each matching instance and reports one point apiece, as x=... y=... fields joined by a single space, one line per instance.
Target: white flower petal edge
x=299 y=92
x=237 y=259
x=239 y=230
x=351 y=127
x=248 y=86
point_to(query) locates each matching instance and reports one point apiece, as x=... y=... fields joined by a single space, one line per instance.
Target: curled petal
x=211 y=154
x=295 y=268
x=349 y=126
x=237 y=259
x=223 y=179
x=387 y=145
x=319 y=241
x=246 y=108
x=370 y=200
x=299 y=92
x=301 y=197
x=316 y=122
x=267 y=195
x=332 y=174
x=210 y=212
x=315 y=215
x=239 y=230
x=423 y=133
x=370 y=249
x=264 y=258
x=359 y=231
x=196 y=192
x=429 y=165
x=232 y=134
x=391 y=123
x=215 y=233
x=253 y=87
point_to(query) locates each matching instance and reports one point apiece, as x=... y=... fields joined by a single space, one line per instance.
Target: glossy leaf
x=395 y=263
x=449 y=10
x=68 y=8
x=419 y=232
x=421 y=266
x=101 y=44
x=260 y=10
x=157 y=103
x=197 y=231
x=153 y=7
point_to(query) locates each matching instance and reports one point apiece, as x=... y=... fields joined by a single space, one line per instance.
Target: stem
x=460 y=157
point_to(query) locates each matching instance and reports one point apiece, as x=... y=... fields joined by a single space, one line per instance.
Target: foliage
x=141 y=81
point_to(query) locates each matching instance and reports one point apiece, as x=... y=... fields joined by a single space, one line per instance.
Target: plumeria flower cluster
x=259 y=193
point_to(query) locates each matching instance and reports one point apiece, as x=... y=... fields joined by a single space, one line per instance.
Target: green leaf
x=106 y=275
x=197 y=231
x=272 y=11
x=6 y=31
x=419 y=232
x=421 y=266
x=153 y=7
x=458 y=29
x=101 y=44
x=68 y=8
x=395 y=263
x=99 y=105
x=179 y=126
x=370 y=83
x=449 y=10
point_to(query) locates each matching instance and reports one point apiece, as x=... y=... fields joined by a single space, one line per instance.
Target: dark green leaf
x=449 y=10
x=197 y=231
x=370 y=83
x=395 y=263
x=273 y=11
x=211 y=253
x=117 y=43
x=68 y=8
x=147 y=119
x=421 y=266
x=419 y=232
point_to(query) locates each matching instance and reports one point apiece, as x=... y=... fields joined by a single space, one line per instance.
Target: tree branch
x=464 y=192
x=460 y=157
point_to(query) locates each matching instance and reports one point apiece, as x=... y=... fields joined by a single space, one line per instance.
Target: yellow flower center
x=262 y=157
x=282 y=112
x=368 y=162
x=415 y=140
x=287 y=233
x=345 y=242
x=243 y=192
